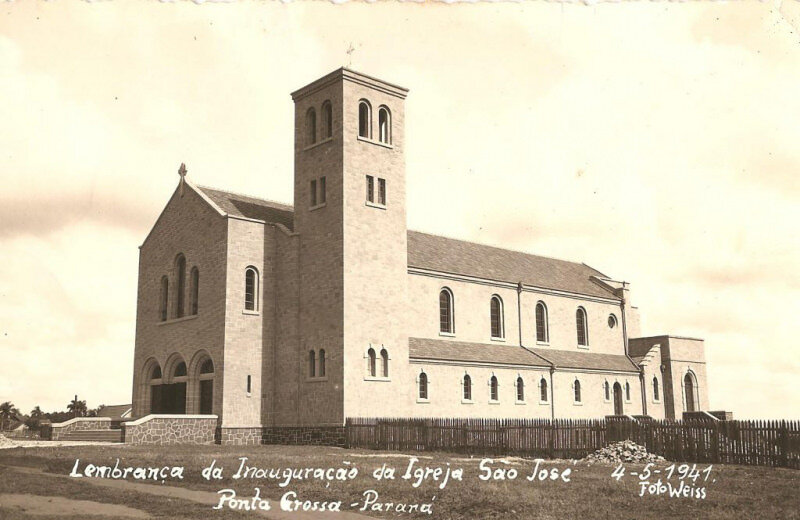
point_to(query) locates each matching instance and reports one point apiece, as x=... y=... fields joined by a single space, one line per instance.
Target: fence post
x=784 y=456
x=715 y=442
x=552 y=440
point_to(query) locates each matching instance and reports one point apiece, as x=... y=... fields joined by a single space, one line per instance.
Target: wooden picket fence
x=761 y=443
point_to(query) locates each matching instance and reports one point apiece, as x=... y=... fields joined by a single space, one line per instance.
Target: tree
x=77 y=408
x=34 y=419
x=8 y=413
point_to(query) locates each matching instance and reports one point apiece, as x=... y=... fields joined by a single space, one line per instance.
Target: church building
x=273 y=317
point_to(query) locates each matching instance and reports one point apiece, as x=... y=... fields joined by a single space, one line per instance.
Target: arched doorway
x=152 y=386
x=618 y=399
x=690 y=390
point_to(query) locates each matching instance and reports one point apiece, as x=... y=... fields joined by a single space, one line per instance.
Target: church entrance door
x=206 y=396
x=617 y=399
x=688 y=384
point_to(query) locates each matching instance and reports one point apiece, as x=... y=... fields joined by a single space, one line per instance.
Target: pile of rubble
x=6 y=442
x=623 y=451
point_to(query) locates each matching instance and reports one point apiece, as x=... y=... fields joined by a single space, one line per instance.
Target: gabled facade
x=298 y=317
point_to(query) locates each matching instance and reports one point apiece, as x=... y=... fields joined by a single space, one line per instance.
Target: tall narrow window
x=627 y=391
x=607 y=391
x=312 y=193
x=493 y=393
x=370 y=188
x=180 y=286
x=321 y=370
x=382 y=192
x=520 y=389
x=446 y=324
x=364 y=119
x=251 y=289
x=423 y=385
x=195 y=292
x=372 y=362
x=249 y=384
x=311 y=126
x=384 y=125
x=323 y=191
x=467 y=384
x=580 y=321
x=543 y=390
x=541 y=323
x=384 y=363
x=164 y=298
x=312 y=363
x=327 y=120
x=496 y=317
x=655 y=389
x=577 y=388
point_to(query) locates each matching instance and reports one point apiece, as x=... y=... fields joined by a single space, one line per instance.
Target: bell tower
x=350 y=214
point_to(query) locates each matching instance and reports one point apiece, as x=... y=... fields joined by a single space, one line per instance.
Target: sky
x=656 y=142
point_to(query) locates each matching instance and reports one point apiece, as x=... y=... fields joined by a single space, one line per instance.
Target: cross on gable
x=182 y=171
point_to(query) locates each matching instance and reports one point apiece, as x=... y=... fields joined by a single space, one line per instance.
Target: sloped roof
x=586 y=360
x=442 y=254
x=114 y=411
x=468 y=258
x=251 y=207
x=447 y=350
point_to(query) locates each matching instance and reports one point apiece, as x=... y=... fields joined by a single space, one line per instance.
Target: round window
x=612 y=321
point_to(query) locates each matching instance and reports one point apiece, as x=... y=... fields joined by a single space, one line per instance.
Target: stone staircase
x=93 y=435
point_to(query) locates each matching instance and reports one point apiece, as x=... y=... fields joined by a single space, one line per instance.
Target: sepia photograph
x=450 y=260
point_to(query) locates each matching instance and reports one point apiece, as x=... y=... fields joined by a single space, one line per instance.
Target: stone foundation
x=240 y=436
x=56 y=431
x=306 y=435
x=171 y=429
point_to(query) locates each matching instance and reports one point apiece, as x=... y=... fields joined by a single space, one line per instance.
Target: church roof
x=468 y=258
x=448 y=350
x=446 y=255
x=114 y=411
x=251 y=207
x=462 y=351
x=586 y=360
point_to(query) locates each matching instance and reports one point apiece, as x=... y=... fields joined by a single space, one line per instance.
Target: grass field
x=730 y=491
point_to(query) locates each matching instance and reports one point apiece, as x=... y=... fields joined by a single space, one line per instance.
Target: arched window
x=164 y=308
x=321 y=371
x=690 y=392
x=607 y=391
x=180 y=273
x=195 y=291
x=543 y=390
x=384 y=363
x=207 y=367
x=467 y=384
x=612 y=321
x=180 y=370
x=627 y=391
x=251 y=289
x=541 y=323
x=580 y=321
x=311 y=126
x=364 y=119
x=384 y=125
x=327 y=120
x=520 y=389
x=496 y=317
x=372 y=361
x=156 y=373
x=446 y=324
x=423 y=385
x=312 y=363
x=577 y=388
x=493 y=393
x=656 y=396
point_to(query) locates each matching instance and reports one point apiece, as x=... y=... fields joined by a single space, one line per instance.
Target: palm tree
x=78 y=408
x=36 y=413
x=7 y=413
